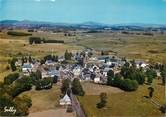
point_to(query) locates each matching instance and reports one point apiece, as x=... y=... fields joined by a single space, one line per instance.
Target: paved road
x=76 y=106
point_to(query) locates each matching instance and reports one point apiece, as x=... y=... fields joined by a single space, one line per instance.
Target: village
x=86 y=67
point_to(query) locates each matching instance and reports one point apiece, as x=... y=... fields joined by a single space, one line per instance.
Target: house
x=18 y=63
x=44 y=74
x=53 y=73
x=92 y=58
x=103 y=59
x=105 y=71
x=27 y=68
x=140 y=64
x=50 y=63
x=77 y=71
x=65 y=100
x=35 y=66
x=61 y=59
x=85 y=74
x=97 y=79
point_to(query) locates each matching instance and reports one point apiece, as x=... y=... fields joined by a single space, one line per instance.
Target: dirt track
x=52 y=113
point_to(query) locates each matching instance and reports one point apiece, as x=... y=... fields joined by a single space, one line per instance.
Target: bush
x=23 y=104
x=163 y=108
x=11 y=78
x=129 y=85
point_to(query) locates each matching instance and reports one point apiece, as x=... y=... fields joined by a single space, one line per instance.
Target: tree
x=103 y=100
x=65 y=85
x=38 y=75
x=129 y=85
x=163 y=108
x=9 y=79
x=139 y=77
x=77 y=88
x=163 y=76
x=116 y=81
x=151 y=74
x=55 y=79
x=110 y=77
x=110 y=73
x=150 y=79
x=23 y=104
x=12 y=64
x=45 y=83
x=68 y=55
x=151 y=91
x=30 y=59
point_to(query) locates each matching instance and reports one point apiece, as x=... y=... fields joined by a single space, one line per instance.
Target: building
x=27 y=68
x=76 y=71
x=50 y=63
x=65 y=100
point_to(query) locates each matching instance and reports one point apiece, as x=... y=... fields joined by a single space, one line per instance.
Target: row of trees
x=75 y=86
x=38 y=40
x=51 y=57
x=20 y=85
x=40 y=83
x=16 y=33
x=130 y=77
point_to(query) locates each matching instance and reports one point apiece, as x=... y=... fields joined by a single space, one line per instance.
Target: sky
x=78 y=11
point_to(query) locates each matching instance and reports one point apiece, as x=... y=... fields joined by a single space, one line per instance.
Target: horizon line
x=103 y=23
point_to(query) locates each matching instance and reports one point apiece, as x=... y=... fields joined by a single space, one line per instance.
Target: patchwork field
x=152 y=48
x=124 y=103
x=11 y=46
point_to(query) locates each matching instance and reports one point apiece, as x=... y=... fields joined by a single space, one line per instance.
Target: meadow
x=123 y=103
x=150 y=48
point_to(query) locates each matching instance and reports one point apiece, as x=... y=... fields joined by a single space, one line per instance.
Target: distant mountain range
x=85 y=25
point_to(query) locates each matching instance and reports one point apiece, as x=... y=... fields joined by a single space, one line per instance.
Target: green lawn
x=125 y=103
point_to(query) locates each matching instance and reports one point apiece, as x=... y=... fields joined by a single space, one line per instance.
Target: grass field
x=44 y=99
x=11 y=46
x=125 y=103
x=129 y=46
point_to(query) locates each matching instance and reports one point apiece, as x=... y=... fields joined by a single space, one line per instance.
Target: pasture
x=124 y=103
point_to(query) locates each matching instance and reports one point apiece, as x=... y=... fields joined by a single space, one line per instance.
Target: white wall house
x=27 y=68
x=97 y=80
x=65 y=100
x=76 y=71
